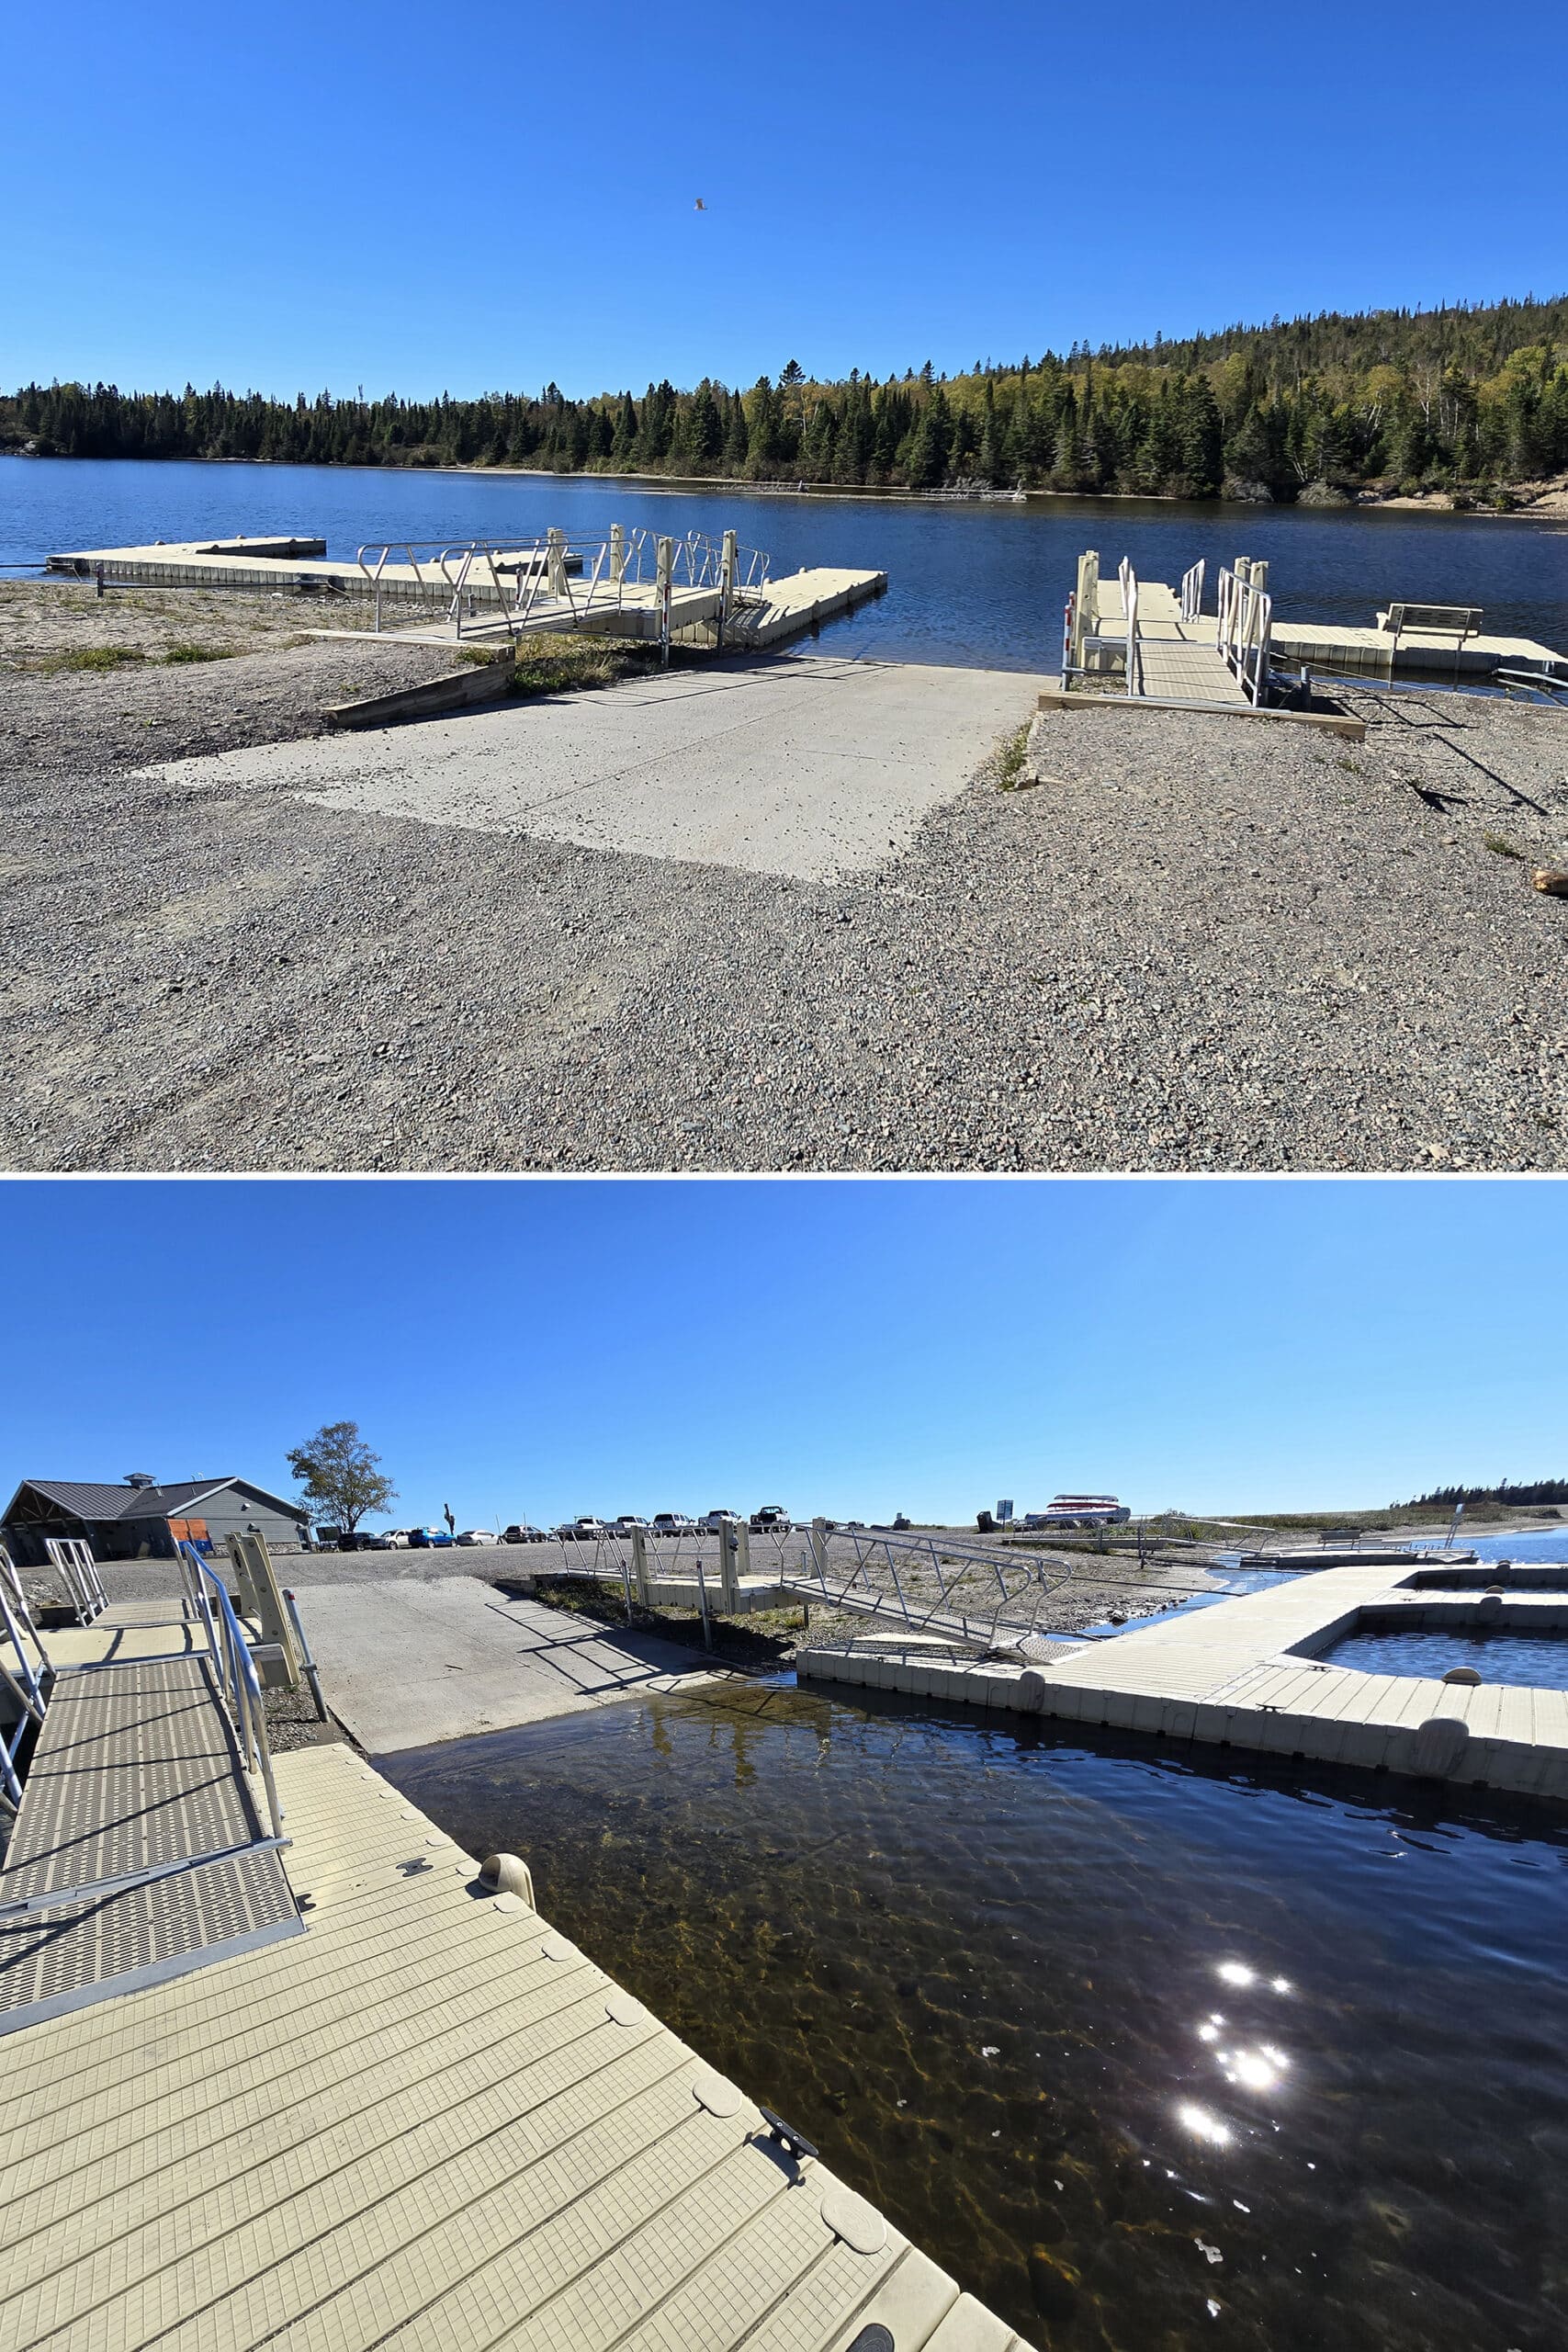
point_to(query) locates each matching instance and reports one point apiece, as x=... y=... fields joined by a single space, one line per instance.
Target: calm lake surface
x=971 y=584
x=1539 y=1660
x=1148 y=2054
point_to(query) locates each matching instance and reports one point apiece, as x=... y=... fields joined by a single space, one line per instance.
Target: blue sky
x=543 y=1349
x=306 y=197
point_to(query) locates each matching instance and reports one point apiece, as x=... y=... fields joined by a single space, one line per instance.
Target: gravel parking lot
x=1195 y=944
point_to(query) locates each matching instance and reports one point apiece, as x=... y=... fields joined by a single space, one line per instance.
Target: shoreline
x=1358 y=503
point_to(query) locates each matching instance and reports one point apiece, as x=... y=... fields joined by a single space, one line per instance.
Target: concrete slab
x=406 y=1665
x=805 y=766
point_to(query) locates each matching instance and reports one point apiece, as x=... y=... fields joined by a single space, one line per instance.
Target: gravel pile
x=1195 y=944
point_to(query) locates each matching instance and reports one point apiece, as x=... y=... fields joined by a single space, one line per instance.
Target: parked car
x=717 y=1519
x=673 y=1523
x=477 y=1535
x=589 y=1527
x=329 y=1539
x=771 y=1516
x=398 y=1539
x=429 y=1539
x=627 y=1520
x=521 y=1532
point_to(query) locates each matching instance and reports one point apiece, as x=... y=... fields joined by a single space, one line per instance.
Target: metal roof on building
x=84 y=1499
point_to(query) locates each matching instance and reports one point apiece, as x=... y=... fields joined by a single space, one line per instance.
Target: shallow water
x=1148 y=2054
x=971 y=584
x=1538 y=1660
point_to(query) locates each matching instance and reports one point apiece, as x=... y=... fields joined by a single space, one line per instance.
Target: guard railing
x=1242 y=636
x=553 y=578
x=1193 y=591
x=235 y=1671
x=73 y=1563
x=24 y=1672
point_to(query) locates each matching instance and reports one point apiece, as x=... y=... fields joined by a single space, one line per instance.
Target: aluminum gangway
x=932 y=1586
x=145 y=1836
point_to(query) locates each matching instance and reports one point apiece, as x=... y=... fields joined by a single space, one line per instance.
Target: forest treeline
x=1465 y=400
x=1539 y=1490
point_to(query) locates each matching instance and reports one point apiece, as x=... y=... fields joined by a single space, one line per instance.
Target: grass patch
x=560 y=665
x=187 y=650
x=93 y=656
x=1500 y=845
x=1006 y=761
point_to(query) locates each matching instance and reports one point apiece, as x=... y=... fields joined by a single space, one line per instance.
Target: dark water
x=970 y=584
x=1083 y=2021
x=1540 y=1659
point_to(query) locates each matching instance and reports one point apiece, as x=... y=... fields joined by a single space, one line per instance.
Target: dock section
x=139 y=1850
x=1247 y=1673
x=686 y=591
x=431 y=2120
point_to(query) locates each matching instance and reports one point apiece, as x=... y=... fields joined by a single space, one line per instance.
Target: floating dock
x=1416 y=655
x=1247 y=1673
x=410 y=2114
x=487 y=592
x=1128 y=642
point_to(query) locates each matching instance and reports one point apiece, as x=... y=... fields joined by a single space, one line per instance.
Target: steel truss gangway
x=144 y=1832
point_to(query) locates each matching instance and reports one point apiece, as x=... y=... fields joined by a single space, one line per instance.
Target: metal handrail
x=1130 y=614
x=522 y=580
x=238 y=1683
x=73 y=1561
x=1243 y=632
x=17 y=1629
x=1193 y=591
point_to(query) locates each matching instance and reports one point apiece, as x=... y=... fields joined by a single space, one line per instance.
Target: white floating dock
x=766 y=614
x=429 y=2122
x=1243 y=1674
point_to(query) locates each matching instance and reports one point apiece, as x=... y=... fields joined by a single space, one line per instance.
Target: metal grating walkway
x=136 y=1769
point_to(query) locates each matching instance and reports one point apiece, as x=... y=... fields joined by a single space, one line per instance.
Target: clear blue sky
x=407 y=198
x=543 y=1349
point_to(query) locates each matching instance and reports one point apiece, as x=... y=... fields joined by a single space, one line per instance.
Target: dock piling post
x=639 y=1564
x=259 y=1585
x=617 y=553
x=726 y=565
x=703 y=1599
x=736 y=1563
x=663 y=573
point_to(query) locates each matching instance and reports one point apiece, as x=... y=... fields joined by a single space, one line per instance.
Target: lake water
x=971 y=584
x=1537 y=1660
x=1148 y=2054
x=1552 y=1544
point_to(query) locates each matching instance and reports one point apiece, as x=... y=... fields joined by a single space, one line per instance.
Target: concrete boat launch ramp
x=410 y=1663
x=805 y=766
x=428 y=2121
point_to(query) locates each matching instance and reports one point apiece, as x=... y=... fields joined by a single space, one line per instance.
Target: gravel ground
x=1198 y=943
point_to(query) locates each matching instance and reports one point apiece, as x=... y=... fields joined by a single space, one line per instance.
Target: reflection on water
x=1136 y=2048
x=1540 y=1659
x=969 y=583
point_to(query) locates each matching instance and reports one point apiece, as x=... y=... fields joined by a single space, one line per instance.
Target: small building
x=139 y=1519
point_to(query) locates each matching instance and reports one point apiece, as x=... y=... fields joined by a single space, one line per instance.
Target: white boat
x=1084 y=1510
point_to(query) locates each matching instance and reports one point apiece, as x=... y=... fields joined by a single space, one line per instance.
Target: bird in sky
x=700 y=206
